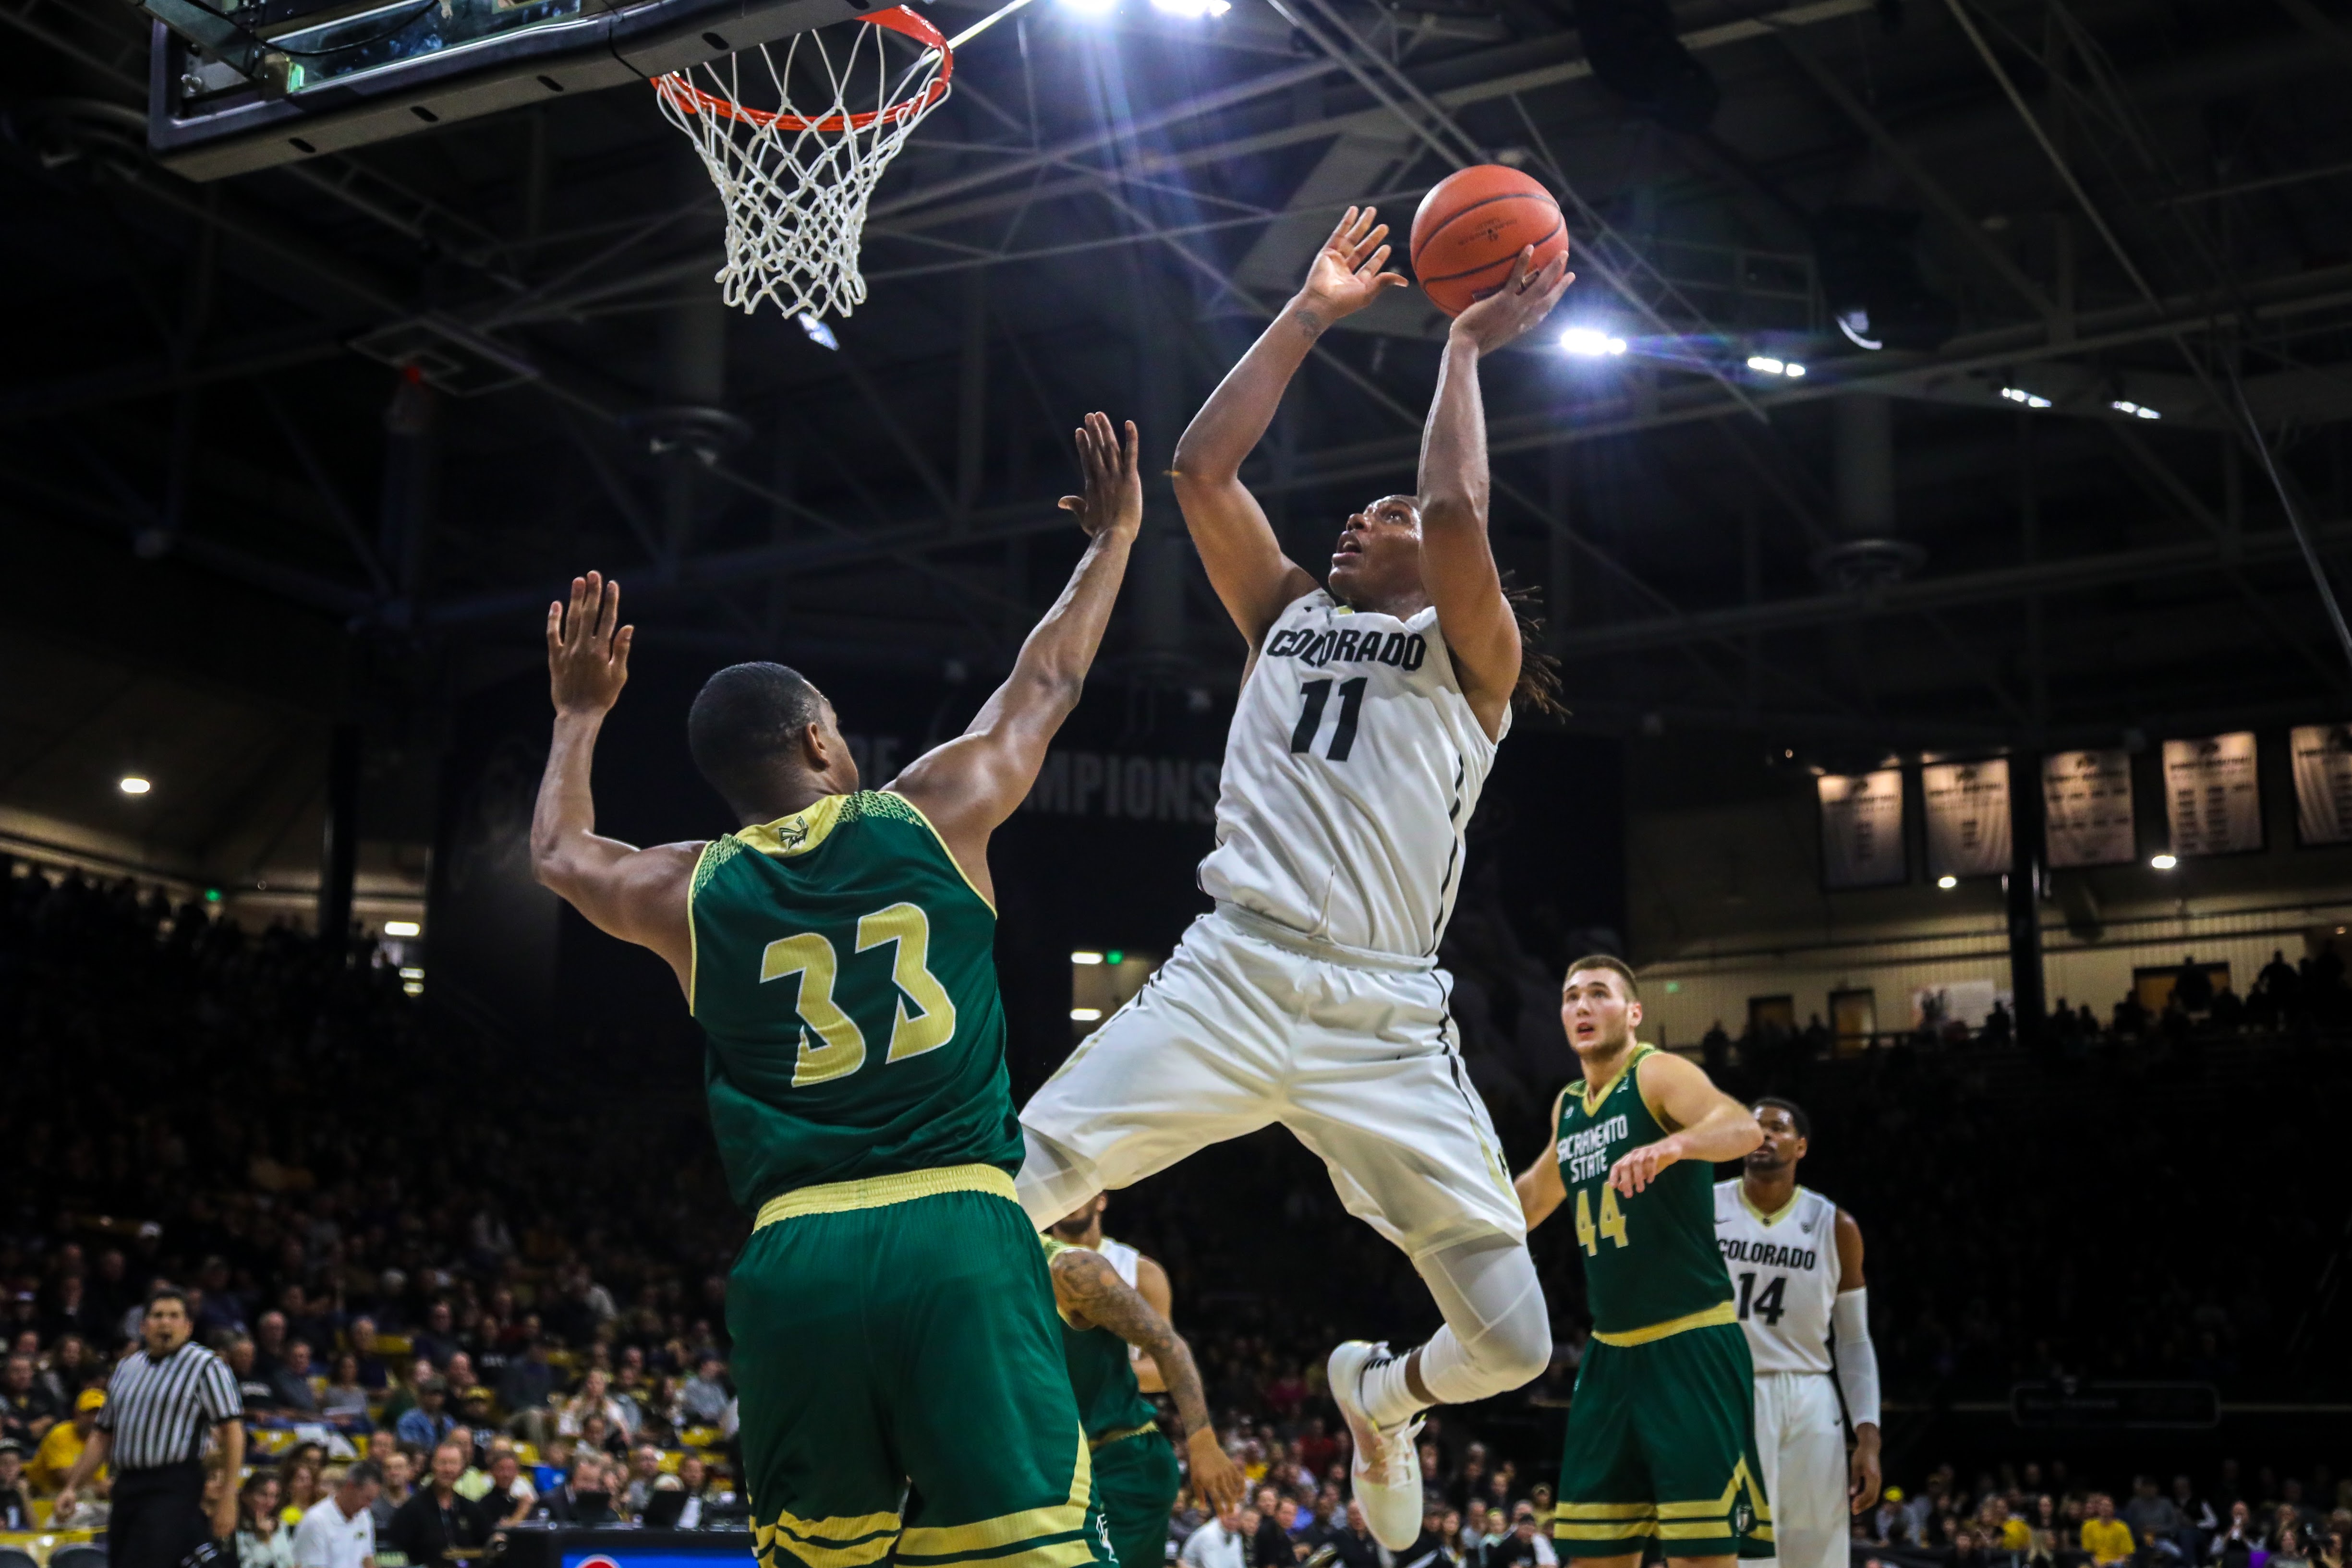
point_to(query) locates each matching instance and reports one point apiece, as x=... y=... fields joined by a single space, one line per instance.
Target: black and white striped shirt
x=159 y=1411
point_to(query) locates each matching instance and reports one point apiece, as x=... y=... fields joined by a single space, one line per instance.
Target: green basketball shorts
x=1662 y=1445
x=1137 y=1478
x=902 y=1385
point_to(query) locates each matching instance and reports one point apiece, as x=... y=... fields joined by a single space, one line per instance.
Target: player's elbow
x=1454 y=509
x=1196 y=468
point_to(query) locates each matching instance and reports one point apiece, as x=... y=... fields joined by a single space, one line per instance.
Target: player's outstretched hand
x=587 y=658
x=1347 y=274
x=1518 y=305
x=1215 y=1474
x=1113 y=472
x=1637 y=1169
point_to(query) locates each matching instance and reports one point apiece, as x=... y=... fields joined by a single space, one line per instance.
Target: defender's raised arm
x=1245 y=561
x=973 y=782
x=638 y=895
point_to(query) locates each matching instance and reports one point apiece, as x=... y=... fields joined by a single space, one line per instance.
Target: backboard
x=238 y=85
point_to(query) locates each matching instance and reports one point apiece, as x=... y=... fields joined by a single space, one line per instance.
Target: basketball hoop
x=796 y=179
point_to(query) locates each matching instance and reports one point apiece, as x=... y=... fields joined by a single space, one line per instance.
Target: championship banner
x=2086 y=804
x=2211 y=794
x=1968 y=817
x=2323 y=782
x=1861 y=830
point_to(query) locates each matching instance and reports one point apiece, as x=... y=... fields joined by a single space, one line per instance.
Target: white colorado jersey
x=1121 y=1258
x=1784 y=1272
x=1351 y=769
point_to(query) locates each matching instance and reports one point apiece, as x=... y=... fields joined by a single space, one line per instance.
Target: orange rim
x=683 y=94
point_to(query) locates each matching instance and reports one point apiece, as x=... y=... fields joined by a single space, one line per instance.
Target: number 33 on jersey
x=844 y=974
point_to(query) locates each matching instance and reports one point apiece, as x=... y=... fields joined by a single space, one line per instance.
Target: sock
x=1386 y=1398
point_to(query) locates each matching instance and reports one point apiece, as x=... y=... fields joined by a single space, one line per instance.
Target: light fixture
x=1766 y=363
x=1086 y=958
x=1085 y=1015
x=2163 y=863
x=402 y=928
x=1590 y=341
x=134 y=785
x=2137 y=411
x=1947 y=881
x=412 y=973
x=818 y=332
x=2018 y=394
x=1793 y=370
x=1115 y=958
x=414 y=987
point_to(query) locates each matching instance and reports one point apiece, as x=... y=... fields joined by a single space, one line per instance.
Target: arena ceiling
x=2080 y=203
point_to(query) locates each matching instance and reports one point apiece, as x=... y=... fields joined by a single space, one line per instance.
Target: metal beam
x=2071 y=574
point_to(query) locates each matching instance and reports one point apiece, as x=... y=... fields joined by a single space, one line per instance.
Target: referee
x=162 y=1398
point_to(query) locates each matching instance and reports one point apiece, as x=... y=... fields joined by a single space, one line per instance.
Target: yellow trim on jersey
x=798 y=833
x=1777 y=1215
x=950 y=1542
x=880 y=1192
x=942 y=838
x=1718 y=1509
x=1121 y=1435
x=1630 y=1528
x=1592 y=1100
x=1721 y=1313
x=693 y=936
x=1603 y=1511
x=852 y=1543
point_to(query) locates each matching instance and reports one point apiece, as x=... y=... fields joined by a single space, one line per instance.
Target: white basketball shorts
x=1800 y=1437
x=1248 y=1023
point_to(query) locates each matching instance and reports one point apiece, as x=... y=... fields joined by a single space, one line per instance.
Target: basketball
x=1472 y=223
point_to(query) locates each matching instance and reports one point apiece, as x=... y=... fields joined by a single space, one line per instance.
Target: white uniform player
x=1368 y=720
x=1797 y=1284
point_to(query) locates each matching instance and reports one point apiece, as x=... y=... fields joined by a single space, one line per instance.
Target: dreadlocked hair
x=1538 y=686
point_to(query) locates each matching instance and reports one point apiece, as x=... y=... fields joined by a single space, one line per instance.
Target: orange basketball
x=1472 y=226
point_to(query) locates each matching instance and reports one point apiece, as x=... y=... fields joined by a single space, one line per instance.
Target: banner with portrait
x=2323 y=782
x=1861 y=830
x=1968 y=817
x=2086 y=805
x=2212 y=796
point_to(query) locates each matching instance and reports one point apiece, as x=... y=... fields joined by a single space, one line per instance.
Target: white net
x=796 y=177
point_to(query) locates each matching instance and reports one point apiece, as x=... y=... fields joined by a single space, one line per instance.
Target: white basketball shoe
x=1387 y=1470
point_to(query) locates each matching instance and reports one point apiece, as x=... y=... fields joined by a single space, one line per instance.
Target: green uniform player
x=1115 y=1333
x=1661 y=1439
x=901 y=1376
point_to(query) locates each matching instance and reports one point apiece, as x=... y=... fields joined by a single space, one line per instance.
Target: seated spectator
x=56 y=1455
x=374 y=1377
x=263 y=1539
x=299 y=1488
x=599 y=1436
x=511 y=1495
x=402 y=1397
x=27 y=1409
x=645 y=1466
x=527 y=1380
x=585 y=1497
x=435 y=1341
x=436 y=1523
x=399 y=1472
x=339 y=1530
x=474 y=1411
x=1515 y=1550
x=594 y=1399
x=343 y=1403
x=1217 y=1543
x=2287 y=1548
x=423 y=1427
x=291 y=1383
x=2105 y=1537
x=16 y=1509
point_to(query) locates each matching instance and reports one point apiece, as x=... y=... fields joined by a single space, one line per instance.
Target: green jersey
x=1650 y=1261
x=1102 y=1374
x=845 y=973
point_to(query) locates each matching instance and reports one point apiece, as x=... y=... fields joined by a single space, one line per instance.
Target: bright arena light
x=1591 y=341
x=1192 y=7
x=1947 y=881
x=133 y=785
x=818 y=332
x=402 y=928
x=2018 y=394
x=1086 y=958
x=1085 y=1015
x=1092 y=8
x=2163 y=863
x=2137 y=411
x=1767 y=365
